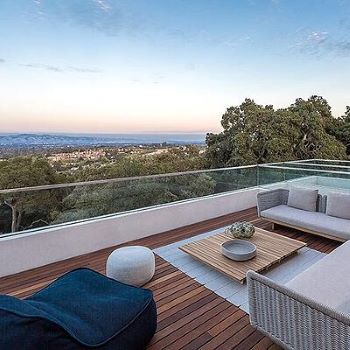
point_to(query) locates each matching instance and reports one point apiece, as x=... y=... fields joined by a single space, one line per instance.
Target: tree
x=341 y=129
x=252 y=134
x=172 y=160
x=255 y=134
x=36 y=208
x=91 y=201
x=24 y=172
x=313 y=119
x=115 y=197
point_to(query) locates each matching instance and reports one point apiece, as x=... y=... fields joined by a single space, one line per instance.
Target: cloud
x=84 y=70
x=103 y=5
x=58 y=69
x=341 y=47
x=235 y=42
x=43 y=66
x=100 y=15
x=320 y=43
x=317 y=37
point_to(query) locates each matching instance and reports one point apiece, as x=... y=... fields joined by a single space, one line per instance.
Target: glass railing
x=42 y=206
x=324 y=179
x=39 y=207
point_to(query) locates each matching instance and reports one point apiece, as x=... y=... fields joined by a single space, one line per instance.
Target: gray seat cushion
x=302 y=198
x=327 y=281
x=314 y=221
x=338 y=204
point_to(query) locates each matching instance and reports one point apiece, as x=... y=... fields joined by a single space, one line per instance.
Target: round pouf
x=131 y=265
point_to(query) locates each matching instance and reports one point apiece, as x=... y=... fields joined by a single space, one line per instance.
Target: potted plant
x=241 y=229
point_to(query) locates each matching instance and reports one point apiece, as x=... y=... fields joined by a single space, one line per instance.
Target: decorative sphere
x=240 y=230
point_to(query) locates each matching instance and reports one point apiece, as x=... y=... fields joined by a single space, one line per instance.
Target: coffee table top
x=271 y=249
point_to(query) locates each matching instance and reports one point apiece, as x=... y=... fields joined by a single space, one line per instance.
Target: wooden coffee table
x=271 y=249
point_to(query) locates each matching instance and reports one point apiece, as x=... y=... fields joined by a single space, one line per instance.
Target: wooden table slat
x=271 y=249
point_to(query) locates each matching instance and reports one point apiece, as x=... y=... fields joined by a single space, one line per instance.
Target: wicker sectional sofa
x=312 y=311
x=273 y=206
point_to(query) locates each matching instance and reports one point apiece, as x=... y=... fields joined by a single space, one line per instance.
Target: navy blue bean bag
x=80 y=310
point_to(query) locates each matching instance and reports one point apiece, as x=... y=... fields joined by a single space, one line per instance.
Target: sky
x=165 y=65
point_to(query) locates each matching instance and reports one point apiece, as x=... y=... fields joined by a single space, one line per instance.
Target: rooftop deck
x=189 y=315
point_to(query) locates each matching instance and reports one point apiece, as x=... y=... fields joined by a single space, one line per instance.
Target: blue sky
x=166 y=65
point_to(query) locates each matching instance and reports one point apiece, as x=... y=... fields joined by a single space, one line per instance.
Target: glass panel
x=324 y=180
x=34 y=208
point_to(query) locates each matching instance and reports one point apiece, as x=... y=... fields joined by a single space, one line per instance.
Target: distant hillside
x=85 y=140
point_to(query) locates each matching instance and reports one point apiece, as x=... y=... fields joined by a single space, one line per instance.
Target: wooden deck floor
x=189 y=315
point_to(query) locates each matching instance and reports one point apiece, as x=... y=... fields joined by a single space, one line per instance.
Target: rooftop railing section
x=35 y=208
x=323 y=161
x=321 y=164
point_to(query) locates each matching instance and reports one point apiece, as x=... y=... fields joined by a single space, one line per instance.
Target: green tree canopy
x=313 y=120
x=174 y=160
x=26 y=207
x=341 y=129
x=255 y=134
x=91 y=201
x=26 y=171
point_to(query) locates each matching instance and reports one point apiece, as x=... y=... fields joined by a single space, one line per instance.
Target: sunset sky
x=165 y=65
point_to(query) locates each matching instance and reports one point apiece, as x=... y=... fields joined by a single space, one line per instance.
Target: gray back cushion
x=338 y=205
x=303 y=198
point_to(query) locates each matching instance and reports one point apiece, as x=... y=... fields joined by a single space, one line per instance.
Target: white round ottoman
x=131 y=265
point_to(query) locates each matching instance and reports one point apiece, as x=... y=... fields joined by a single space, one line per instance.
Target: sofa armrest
x=272 y=198
x=292 y=320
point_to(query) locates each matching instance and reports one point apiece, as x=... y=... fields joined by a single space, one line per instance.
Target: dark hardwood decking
x=189 y=315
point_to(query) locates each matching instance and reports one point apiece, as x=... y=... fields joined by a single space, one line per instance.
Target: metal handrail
x=304 y=169
x=326 y=160
x=301 y=164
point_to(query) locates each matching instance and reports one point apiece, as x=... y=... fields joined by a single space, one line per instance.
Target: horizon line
x=108 y=133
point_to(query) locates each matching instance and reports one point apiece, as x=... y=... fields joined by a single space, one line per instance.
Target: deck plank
x=190 y=315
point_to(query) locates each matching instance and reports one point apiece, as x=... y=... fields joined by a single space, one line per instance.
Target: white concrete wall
x=33 y=249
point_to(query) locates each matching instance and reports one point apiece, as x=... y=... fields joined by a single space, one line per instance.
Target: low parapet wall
x=37 y=248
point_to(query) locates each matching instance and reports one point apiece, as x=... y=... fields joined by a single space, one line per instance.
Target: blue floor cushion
x=80 y=310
